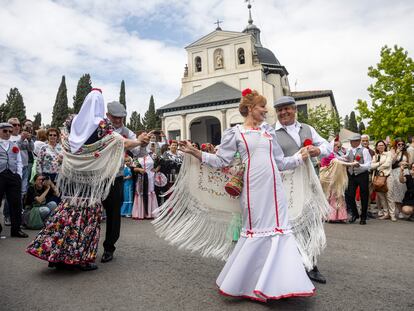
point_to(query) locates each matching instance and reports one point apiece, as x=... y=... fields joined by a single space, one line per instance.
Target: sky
x=324 y=44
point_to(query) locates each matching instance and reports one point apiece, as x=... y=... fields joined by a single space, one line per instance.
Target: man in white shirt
x=358 y=176
x=291 y=136
x=11 y=178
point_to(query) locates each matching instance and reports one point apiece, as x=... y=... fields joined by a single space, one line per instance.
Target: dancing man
x=291 y=136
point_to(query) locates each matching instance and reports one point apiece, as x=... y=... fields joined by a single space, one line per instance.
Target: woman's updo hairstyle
x=249 y=100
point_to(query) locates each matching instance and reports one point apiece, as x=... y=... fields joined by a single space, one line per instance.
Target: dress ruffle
x=138 y=212
x=265 y=268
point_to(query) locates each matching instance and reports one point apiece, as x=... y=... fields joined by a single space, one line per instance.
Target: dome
x=266 y=56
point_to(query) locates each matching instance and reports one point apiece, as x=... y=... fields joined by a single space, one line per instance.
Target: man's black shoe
x=362 y=222
x=107 y=256
x=19 y=234
x=316 y=276
x=88 y=267
x=353 y=219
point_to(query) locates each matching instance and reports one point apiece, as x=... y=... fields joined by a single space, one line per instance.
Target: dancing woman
x=93 y=153
x=265 y=263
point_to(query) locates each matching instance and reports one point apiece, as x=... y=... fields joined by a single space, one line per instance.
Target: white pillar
x=223 y=119
x=183 y=127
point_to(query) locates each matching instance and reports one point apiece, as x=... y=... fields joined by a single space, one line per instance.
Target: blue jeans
x=47 y=209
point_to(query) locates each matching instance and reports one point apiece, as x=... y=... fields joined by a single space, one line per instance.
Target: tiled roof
x=217 y=94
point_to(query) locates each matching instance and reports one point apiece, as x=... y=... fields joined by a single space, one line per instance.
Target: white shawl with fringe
x=201 y=216
x=87 y=176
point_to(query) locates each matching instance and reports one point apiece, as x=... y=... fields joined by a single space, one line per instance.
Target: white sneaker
x=7 y=221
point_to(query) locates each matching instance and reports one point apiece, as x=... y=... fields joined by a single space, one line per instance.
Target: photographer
x=408 y=179
x=41 y=200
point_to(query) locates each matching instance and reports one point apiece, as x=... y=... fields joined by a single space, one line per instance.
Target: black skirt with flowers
x=71 y=234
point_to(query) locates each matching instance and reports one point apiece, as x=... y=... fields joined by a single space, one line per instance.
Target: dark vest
x=8 y=159
x=288 y=144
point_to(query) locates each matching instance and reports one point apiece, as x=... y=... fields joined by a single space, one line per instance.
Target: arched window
x=218 y=59
x=240 y=56
x=197 y=62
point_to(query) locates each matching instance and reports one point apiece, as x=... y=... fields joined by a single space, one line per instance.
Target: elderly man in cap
x=112 y=204
x=358 y=175
x=11 y=178
x=291 y=136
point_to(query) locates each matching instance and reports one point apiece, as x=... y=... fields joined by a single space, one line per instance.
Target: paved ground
x=367 y=267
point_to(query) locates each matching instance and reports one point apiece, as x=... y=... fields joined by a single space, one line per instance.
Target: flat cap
x=4 y=125
x=283 y=101
x=355 y=137
x=116 y=109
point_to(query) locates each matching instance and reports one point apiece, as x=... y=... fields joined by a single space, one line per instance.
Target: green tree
x=37 y=122
x=353 y=125
x=135 y=123
x=122 y=99
x=392 y=95
x=151 y=119
x=325 y=121
x=361 y=128
x=346 y=122
x=4 y=112
x=83 y=89
x=15 y=105
x=60 y=109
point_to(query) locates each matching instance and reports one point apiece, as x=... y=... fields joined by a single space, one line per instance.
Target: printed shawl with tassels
x=87 y=176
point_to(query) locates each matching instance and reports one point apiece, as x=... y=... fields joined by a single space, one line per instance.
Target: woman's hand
x=187 y=147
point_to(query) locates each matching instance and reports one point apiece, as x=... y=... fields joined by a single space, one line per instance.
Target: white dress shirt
x=363 y=167
x=318 y=141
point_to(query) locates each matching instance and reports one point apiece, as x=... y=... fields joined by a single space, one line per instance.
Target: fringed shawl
x=87 y=175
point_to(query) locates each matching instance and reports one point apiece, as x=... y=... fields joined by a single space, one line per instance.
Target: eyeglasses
x=15 y=124
x=53 y=135
x=7 y=131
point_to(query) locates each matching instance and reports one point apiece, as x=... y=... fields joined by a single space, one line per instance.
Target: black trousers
x=11 y=185
x=361 y=180
x=112 y=205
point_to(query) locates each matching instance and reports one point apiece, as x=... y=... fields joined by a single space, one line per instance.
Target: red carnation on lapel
x=15 y=149
x=203 y=146
x=358 y=157
x=246 y=92
x=307 y=142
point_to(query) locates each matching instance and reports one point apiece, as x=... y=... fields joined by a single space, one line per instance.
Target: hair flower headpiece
x=246 y=92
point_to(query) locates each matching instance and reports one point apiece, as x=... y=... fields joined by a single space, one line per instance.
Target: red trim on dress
x=243 y=296
x=308 y=294
x=248 y=182
x=274 y=185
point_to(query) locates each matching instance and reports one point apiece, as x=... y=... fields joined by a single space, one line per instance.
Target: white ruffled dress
x=265 y=263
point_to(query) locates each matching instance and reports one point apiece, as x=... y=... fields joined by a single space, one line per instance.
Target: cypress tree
x=361 y=127
x=83 y=89
x=346 y=122
x=37 y=122
x=122 y=94
x=60 y=109
x=4 y=112
x=151 y=119
x=15 y=104
x=135 y=123
x=353 y=125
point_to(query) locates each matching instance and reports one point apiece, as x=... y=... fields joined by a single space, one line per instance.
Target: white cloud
x=323 y=44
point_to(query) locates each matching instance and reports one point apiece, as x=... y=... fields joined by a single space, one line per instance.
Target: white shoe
x=7 y=221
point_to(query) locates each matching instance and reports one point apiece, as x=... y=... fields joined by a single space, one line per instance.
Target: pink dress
x=337 y=204
x=145 y=199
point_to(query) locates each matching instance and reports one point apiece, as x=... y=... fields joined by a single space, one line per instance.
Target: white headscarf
x=87 y=120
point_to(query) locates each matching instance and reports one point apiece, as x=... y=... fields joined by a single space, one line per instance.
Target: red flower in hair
x=96 y=89
x=15 y=149
x=307 y=142
x=170 y=141
x=337 y=138
x=246 y=92
x=96 y=154
x=358 y=157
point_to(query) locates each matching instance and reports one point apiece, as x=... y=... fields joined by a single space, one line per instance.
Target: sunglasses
x=7 y=131
x=15 y=125
x=400 y=144
x=53 y=135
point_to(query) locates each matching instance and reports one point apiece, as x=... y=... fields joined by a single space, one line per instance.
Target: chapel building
x=219 y=66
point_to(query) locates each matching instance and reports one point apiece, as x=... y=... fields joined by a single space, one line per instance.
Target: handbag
x=235 y=184
x=379 y=182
